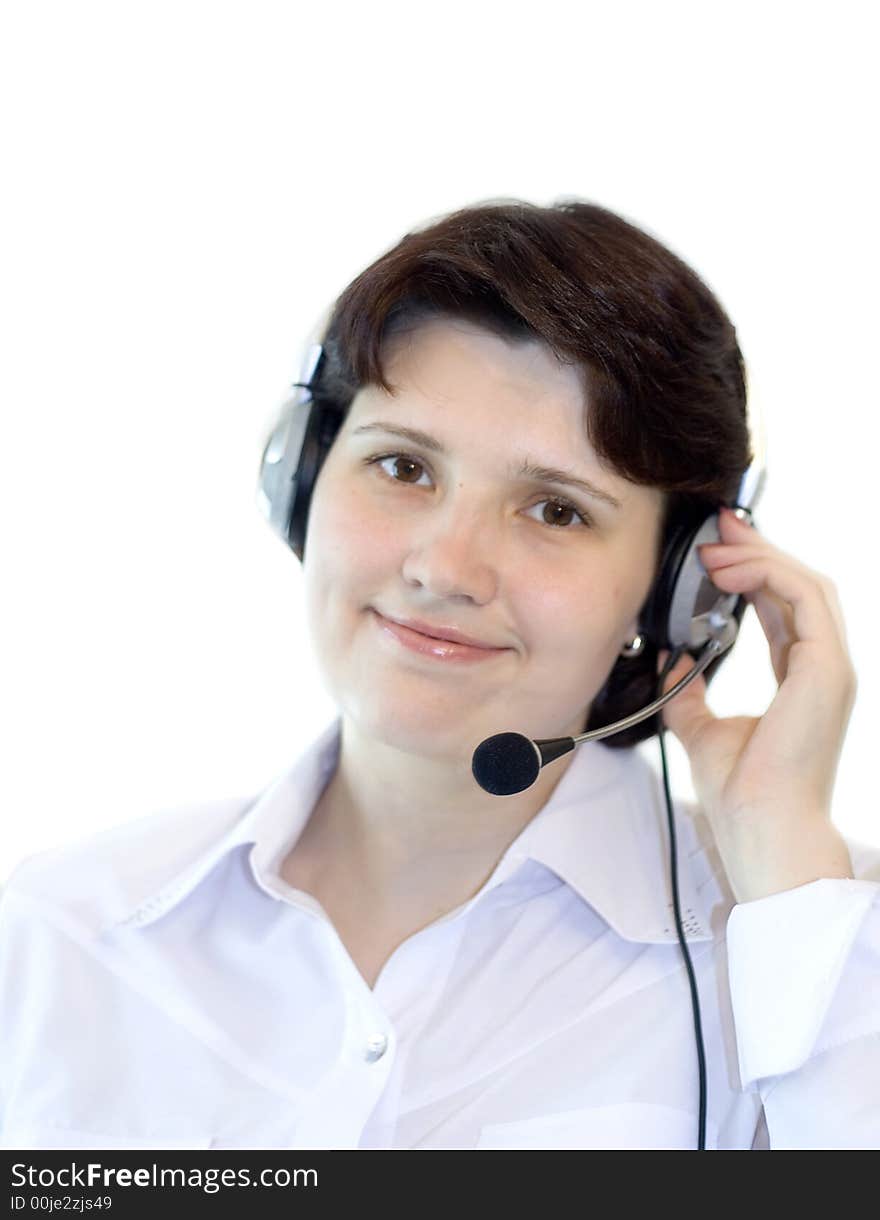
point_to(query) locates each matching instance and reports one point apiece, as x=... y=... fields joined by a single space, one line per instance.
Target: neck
x=398 y=823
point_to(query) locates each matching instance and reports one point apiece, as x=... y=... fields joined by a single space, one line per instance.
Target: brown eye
x=559 y=514
x=403 y=468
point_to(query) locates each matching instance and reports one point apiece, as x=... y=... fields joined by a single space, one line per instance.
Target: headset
x=683 y=612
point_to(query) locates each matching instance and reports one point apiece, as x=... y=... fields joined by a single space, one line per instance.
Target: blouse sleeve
x=804 y=974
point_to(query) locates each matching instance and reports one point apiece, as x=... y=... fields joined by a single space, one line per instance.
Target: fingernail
x=743 y=517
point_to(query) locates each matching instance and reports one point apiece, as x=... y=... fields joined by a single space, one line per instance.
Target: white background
x=189 y=185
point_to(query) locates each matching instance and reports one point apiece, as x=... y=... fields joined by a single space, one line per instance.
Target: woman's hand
x=765 y=782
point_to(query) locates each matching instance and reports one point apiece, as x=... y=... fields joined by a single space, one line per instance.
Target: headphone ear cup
x=294 y=453
x=322 y=426
x=277 y=486
x=686 y=609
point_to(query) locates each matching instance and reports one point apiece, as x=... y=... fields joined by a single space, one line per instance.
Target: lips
x=437 y=651
x=448 y=634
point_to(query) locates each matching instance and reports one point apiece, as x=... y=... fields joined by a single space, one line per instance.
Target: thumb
x=687 y=713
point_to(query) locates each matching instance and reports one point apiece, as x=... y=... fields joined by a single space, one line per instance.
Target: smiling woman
x=454 y=534
x=651 y=361
x=513 y=445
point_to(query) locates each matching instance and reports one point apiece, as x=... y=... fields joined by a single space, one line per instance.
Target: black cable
x=671 y=661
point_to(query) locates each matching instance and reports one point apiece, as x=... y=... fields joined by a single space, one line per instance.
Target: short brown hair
x=665 y=402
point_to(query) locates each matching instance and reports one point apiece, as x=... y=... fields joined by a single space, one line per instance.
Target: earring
x=634 y=647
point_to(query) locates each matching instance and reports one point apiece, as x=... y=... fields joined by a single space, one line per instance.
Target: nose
x=454 y=553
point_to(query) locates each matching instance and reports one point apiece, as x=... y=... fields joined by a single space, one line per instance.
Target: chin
x=430 y=728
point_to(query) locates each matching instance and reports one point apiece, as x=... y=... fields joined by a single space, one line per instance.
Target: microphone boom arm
x=510 y=762
x=715 y=646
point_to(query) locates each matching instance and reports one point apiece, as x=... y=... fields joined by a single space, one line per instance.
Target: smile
x=427 y=646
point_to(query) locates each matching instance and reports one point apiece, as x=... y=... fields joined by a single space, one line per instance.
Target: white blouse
x=162 y=987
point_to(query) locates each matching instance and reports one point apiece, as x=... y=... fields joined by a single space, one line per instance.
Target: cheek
x=582 y=605
x=347 y=537
x=573 y=630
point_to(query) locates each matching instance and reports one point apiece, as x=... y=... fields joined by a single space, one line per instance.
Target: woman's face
x=454 y=536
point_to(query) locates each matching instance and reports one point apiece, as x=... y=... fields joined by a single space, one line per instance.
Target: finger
x=831 y=594
x=717 y=556
x=777 y=622
x=774 y=613
x=734 y=530
x=813 y=621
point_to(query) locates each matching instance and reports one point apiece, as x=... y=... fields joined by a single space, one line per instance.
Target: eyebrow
x=527 y=469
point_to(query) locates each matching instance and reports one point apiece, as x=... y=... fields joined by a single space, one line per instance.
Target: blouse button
x=376 y=1047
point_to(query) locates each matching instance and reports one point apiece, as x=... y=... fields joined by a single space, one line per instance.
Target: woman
x=377 y=953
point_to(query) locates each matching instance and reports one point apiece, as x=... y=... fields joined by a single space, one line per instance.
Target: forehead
x=448 y=360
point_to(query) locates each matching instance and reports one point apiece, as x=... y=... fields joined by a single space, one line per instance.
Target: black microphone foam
x=510 y=762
